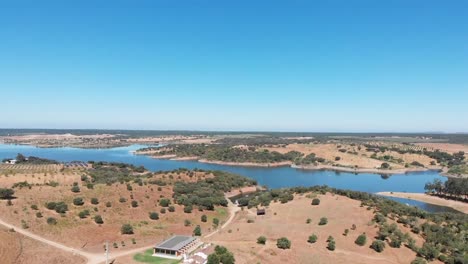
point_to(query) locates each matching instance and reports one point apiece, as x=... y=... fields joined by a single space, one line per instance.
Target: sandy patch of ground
x=18 y=249
x=289 y=220
x=447 y=147
x=457 y=205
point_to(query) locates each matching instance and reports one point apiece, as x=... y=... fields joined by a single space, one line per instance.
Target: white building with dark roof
x=176 y=246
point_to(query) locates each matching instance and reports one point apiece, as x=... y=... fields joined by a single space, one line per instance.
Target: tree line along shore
x=451 y=164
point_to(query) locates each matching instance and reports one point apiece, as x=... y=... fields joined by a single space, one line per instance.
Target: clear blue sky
x=235 y=65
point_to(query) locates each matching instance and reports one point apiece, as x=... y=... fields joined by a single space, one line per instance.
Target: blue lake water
x=270 y=177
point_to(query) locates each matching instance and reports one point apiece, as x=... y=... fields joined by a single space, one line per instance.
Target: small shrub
x=162 y=211
x=323 y=221
x=78 y=201
x=122 y=200
x=39 y=215
x=108 y=204
x=187 y=222
x=204 y=218
x=215 y=222
x=171 y=209
x=34 y=207
x=94 y=201
x=51 y=221
x=261 y=240
x=308 y=221
x=134 y=204
x=346 y=232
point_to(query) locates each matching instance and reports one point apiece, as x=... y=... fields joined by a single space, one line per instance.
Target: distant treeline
x=21 y=159
x=225 y=153
x=453 y=188
x=451 y=138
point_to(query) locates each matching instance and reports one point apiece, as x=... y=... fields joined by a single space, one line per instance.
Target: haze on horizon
x=344 y=66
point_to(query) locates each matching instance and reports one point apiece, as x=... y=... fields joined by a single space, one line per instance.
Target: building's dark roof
x=175 y=242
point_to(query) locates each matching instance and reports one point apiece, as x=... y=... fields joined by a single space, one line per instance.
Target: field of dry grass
x=17 y=249
x=289 y=220
x=351 y=155
x=85 y=233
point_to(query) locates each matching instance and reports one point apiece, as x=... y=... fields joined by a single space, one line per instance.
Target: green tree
x=361 y=240
x=283 y=243
x=6 y=193
x=197 y=231
x=331 y=245
x=213 y=259
x=75 y=189
x=378 y=245
x=94 y=201
x=164 y=202
x=78 y=201
x=215 y=222
x=98 y=220
x=153 y=216
x=312 y=238
x=126 y=229
x=204 y=218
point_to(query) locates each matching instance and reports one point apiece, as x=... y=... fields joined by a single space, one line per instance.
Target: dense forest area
x=209 y=192
x=453 y=188
x=445 y=234
x=225 y=153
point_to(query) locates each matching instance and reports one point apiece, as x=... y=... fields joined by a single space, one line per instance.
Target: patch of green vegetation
x=228 y=153
x=209 y=192
x=147 y=257
x=459 y=169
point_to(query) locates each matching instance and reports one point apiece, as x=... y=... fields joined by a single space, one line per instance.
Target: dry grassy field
x=289 y=220
x=89 y=236
x=351 y=155
x=17 y=249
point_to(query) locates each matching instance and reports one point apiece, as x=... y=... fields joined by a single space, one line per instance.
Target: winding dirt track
x=92 y=258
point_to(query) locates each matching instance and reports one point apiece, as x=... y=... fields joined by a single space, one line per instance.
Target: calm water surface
x=270 y=177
